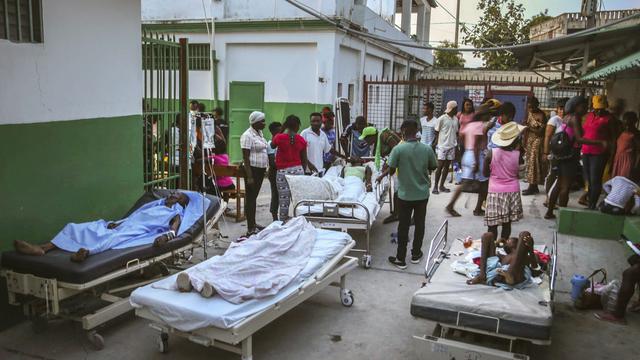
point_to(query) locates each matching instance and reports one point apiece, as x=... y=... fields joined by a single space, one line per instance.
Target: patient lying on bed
x=360 y=171
x=156 y=222
x=254 y=268
x=512 y=269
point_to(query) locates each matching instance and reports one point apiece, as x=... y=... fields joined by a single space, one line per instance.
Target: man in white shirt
x=317 y=142
x=446 y=136
x=428 y=123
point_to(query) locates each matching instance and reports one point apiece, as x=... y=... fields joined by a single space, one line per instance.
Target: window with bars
x=21 y=21
x=199 y=57
x=156 y=57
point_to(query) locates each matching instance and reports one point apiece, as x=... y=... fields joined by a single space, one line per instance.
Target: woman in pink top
x=504 y=204
x=594 y=156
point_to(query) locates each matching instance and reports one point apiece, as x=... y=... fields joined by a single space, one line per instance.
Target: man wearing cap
x=446 y=140
x=256 y=160
x=383 y=141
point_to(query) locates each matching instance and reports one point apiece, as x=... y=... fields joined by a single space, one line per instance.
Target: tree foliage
x=502 y=23
x=448 y=59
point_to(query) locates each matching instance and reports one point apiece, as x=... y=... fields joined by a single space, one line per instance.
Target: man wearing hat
x=256 y=161
x=446 y=140
x=383 y=141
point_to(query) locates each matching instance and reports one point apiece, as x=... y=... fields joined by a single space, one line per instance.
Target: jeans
x=593 y=170
x=252 y=195
x=273 y=207
x=405 y=211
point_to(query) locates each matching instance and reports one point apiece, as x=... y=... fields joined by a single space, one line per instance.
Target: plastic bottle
x=578 y=284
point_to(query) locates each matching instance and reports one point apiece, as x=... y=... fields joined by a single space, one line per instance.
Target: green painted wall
x=67 y=171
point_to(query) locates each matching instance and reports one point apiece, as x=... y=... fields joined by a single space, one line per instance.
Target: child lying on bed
x=513 y=269
x=156 y=222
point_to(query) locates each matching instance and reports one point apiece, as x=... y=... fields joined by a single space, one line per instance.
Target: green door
x=244 y=98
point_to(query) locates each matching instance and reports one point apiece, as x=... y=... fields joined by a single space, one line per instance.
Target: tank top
x=504 y=171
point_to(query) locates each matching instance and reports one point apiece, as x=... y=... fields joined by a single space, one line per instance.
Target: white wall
x=373 y=66
x=289 y=71
x=88 y=66
x=231 y=9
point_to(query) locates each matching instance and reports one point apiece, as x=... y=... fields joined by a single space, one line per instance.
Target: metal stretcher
x=95 y=291
x=238 y=338
x=479 y=321
x=330 y=217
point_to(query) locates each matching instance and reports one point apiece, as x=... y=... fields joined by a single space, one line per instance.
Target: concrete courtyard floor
x=379 y=325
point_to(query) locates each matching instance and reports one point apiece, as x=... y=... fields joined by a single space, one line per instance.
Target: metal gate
x=164 y=113
x=388 y=102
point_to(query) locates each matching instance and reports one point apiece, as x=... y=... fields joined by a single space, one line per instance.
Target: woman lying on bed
x=513 y=269
x=156 y=222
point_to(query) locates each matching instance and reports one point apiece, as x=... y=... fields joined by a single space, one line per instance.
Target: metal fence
x=388 y=102
x=165 y=156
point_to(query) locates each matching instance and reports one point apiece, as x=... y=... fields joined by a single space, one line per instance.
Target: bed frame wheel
x=163 y=343
x=346 y=297
x=96 y=340
x=366 y=261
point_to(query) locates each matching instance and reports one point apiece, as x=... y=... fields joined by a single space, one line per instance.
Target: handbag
x=590 y=297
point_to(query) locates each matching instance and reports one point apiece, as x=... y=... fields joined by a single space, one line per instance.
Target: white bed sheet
x=371 y=200
x=190 y=311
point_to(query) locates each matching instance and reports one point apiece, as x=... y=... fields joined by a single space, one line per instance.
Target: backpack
x=561 y=145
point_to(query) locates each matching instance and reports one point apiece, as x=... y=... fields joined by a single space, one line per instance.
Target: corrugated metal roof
x=625 y=63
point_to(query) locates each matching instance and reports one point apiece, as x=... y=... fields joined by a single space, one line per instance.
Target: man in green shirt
x=415 y=161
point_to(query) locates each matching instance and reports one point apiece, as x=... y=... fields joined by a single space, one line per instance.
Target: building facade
x=70 y=115
x=569 y=23
x=273 y=57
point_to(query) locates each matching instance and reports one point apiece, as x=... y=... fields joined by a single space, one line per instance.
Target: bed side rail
x=554 y=264
x=437 y=250
x=330 y=208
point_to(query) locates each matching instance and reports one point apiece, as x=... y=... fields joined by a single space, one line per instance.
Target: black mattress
x=56 y=263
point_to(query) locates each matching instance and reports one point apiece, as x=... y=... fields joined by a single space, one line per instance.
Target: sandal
x=478 y=212
x=549 y=216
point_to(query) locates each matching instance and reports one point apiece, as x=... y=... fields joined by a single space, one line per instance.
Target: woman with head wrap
x=256 y=160
x=565 y=163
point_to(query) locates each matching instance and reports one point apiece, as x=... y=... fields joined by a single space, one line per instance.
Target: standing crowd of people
x=582 y=144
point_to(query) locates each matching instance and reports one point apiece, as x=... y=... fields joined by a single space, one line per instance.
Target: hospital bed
x=95 y=291
x=348 y=215
x=215 y=322
x=466 y=314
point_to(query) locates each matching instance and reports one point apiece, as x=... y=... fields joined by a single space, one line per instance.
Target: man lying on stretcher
x=156 y=222
x=512 y=269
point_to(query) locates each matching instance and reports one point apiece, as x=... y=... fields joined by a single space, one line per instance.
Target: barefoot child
x=513 y=269
x=501 y=166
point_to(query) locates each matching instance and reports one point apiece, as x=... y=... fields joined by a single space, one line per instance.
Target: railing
x=165 y=157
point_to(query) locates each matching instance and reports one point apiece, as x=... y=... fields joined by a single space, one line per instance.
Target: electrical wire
x=325 y=18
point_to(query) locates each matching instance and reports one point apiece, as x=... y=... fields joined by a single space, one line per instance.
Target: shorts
x=445 y=153
x=468 y=162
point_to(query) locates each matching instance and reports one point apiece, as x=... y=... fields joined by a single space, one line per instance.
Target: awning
x=628 y=62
